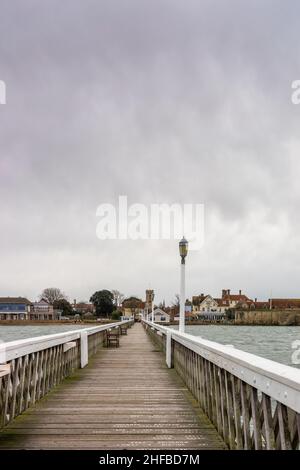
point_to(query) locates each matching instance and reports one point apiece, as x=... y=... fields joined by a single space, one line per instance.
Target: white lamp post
x=152 y=308
x=183 y=249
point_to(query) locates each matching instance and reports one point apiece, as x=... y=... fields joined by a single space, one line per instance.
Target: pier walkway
x=125 y=398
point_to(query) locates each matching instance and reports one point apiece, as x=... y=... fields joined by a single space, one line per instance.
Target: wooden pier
x=161 y=389
x=125 y=398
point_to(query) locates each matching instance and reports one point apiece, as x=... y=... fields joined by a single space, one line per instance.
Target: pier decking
x=126 y=398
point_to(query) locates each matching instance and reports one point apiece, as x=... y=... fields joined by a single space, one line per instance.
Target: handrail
x=280 y=381
x=18 y=348
x=253 y=402
x=283 y=381
x=30 y=368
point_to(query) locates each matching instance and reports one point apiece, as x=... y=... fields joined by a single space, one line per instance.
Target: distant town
x=104 y=305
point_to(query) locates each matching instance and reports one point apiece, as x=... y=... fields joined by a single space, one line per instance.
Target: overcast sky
x=164 y=101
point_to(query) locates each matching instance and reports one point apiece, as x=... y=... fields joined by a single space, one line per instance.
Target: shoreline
x=52 y=322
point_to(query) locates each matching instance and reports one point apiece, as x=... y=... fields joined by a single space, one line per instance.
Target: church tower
x=149 y=300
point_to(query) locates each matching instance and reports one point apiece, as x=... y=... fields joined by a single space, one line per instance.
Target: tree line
x=107 y=303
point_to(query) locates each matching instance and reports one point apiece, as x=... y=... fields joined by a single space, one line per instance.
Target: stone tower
x=149 y=299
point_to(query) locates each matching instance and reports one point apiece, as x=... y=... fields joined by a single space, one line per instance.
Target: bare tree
x=118 y=297
x=176 y=302
x=52 y=294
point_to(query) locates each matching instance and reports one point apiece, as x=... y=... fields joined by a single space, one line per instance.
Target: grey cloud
x=165 y=101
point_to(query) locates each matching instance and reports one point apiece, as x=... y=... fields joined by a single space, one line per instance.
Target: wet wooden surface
x=126 y=398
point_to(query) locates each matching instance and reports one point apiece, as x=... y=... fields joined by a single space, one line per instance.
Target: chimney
x=240 y=292
x=255 y=300
x=74 y=302
x=223 y=293
x=228 y=291
x=201 y=295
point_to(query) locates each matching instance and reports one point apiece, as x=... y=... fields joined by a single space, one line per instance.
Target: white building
x=207 y=306
x=160 y=316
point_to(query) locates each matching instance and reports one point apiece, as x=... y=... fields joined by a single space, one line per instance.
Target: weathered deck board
x=126 y=398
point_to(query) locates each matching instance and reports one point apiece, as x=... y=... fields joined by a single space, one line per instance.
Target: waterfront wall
x=268 y=317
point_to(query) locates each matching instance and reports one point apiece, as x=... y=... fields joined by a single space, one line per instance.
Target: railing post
x=84 y=354
x=169 y=350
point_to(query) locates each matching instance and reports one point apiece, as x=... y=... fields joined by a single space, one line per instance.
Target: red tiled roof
x=261 y=304
x=236 y=297
x=222 y=302
x=285 y=303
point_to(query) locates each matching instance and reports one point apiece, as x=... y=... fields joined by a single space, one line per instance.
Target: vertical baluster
x=284 y=427
x=246 y=417
x=40 y=375
x=255 y=419
x=15 y=387
x=23 y=374
x=217 y=398
x=223 y=406
x=229 y=406
x=6 y=381
x=236 y=411
x=268 y=422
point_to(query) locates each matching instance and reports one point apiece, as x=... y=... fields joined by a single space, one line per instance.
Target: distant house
x=233 y=300
x=189 y=316
x=261 y=305
x=283 y=304
x=188 y=306
x=276 y=304
x=132 y=307
x=83 y=308
x=209 y=305
x=197 y=301
x=206 y=307
x=172 y=311
x=160 y=316
x=14 y=308
x=42 y=310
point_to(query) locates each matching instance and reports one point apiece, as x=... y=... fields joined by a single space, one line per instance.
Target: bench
x=113 y=338
x=123 y=329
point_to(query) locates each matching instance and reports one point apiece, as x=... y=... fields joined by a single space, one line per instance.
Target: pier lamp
x=183 y=250
x=152 y=307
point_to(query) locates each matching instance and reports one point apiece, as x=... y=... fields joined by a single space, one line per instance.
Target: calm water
x=271 y=342
x=11 y=333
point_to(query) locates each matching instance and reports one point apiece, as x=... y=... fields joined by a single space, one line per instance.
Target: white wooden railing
x=29 y=368
x=253 y=402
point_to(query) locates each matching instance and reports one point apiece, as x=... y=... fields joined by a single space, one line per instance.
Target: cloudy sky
x=167 y=101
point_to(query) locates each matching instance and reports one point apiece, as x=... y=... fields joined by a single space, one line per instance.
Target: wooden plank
x=126 y=398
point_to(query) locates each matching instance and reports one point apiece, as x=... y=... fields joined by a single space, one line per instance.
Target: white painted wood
x=19 y=348
x=182 y=299
x=169 y=349
x=84 y=353
x=4 y=369
x=276 y=380
x=69 y=345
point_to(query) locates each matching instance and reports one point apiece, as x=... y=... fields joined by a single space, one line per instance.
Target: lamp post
x=152 y=307
x=152 y=312
x=183 y=249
